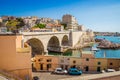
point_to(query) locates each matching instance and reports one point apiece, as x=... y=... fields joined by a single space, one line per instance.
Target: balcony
x=23 y=50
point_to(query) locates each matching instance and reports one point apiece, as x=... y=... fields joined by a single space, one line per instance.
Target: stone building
x=71 y=22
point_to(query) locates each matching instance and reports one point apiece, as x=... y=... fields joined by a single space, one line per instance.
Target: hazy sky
x=98 y=15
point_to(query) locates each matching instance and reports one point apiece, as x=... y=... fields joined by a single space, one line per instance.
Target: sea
x=100 y=53
x=108 y=53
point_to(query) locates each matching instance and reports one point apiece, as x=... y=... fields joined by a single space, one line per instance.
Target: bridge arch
x=53 y=44
x=65 y=41
x=36 y=45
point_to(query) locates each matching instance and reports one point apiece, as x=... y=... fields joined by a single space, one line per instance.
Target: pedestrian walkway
x=95 y=76
x=2 y=78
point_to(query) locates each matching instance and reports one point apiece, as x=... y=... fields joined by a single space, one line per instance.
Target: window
x=49 y=60
x=99 y=63
x=74 y=61
x=111 y=63
x=62 y=61
x=49 y=65
x=40 y=59
x=87 y=59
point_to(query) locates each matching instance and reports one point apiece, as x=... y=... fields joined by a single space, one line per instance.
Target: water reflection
x=73 y=53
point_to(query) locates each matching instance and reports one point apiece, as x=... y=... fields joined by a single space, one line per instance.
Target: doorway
x=98 y=69
x=87 y=68
x=41 y=66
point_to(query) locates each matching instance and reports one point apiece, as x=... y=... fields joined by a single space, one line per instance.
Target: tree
x=40 y=26
x=14 y=24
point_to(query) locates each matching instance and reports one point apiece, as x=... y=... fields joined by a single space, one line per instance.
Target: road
x=49 y=76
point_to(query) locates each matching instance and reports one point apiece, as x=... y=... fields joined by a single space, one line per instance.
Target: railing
x=23 y=50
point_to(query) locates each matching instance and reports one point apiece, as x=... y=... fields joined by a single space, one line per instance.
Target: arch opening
x=53 y=44
x=37 y=46
x=65 y=41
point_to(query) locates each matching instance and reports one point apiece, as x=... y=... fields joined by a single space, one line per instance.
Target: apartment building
x=71 y=22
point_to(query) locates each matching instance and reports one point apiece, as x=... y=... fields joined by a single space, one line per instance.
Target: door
x=98 y=69
x=87 y=68
x=41 y=66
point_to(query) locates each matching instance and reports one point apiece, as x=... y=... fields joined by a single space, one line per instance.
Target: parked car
x=110 y=70
x=74 y=71
x=59 y=71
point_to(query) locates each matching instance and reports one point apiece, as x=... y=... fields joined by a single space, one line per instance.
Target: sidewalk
x=2 y=78
x=95 y=76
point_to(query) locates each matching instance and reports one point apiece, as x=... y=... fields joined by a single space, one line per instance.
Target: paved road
x=49 y=76
x=3 y=78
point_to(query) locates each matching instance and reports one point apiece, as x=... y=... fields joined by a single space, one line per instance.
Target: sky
x=98 y=15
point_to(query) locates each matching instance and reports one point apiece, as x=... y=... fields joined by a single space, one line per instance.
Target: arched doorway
x=37 y=46
x=65 y=41
x=53 y=44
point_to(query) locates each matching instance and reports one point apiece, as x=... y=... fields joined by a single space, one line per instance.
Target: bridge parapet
x=44 y=33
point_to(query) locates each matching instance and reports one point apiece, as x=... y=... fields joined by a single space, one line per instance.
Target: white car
x=59 y=71
x=110 y=70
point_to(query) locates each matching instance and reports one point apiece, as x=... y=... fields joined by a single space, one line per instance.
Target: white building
x=71 y=22
x=54 y=27
x=30 y=21
x=81 y=28
x=3 y=29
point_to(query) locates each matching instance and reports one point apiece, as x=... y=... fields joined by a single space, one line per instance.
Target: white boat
x=94 y=49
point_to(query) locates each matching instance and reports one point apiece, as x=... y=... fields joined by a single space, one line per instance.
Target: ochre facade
x=14 y=58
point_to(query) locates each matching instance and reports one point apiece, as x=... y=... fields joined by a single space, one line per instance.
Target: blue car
x=74 y=71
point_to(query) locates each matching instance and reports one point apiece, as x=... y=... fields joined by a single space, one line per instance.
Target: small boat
x=94 y=49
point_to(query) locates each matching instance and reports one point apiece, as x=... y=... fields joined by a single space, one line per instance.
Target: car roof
x=58 y=68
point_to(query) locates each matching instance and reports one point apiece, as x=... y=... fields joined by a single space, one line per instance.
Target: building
x=0 y=19
x=3 y=29
x=81 y=28
x=54 y=27
x=30 y=21
x=75 y=62
x=64 y=62
x=6 y=18
x=44 y=20
x=71 y=22
x=14 y=57
x=86 y=62
x=45 y=63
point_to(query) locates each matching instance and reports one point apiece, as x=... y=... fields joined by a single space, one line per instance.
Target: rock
x=108 y=45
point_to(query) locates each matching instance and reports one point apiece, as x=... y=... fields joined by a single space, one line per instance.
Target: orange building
x=45 y=62
x=14 y=58
x=113 y=64
x=88 y=61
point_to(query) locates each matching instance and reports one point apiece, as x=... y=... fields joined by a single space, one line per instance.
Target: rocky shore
x=105 y=44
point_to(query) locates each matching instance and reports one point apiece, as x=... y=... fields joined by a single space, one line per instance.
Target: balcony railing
x=23 y=50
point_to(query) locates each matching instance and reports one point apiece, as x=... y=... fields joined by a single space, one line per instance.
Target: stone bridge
x=42 y=42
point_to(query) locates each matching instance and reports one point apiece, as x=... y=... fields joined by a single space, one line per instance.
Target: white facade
x=3 y=29
x=71 y=22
